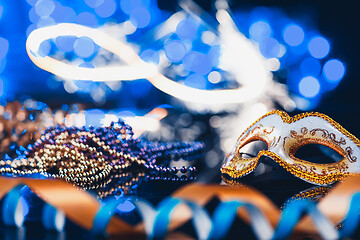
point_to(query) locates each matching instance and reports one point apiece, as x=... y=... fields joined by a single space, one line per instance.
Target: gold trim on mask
x=334 y=172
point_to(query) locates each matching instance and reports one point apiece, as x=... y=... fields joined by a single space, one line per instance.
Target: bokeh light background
x=312 y=46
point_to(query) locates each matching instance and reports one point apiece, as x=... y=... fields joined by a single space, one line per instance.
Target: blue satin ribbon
x=102 y=218
x=352 y=219
x=292 y=214
x=147 y=213
x=10 y=207
x=104 y=215
x=200 y=218
x=49 y=218
x=225 y=214
x=156 y=221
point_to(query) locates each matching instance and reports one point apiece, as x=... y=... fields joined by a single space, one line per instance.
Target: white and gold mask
x=285 y=135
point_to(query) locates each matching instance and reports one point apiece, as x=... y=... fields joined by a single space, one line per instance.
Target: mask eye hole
x=318 y=153
x=252 y=149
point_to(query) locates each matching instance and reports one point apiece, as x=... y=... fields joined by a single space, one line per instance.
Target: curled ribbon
x=188 y=203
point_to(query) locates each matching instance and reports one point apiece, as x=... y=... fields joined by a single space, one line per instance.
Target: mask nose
x=269 y=157
x=252 y=149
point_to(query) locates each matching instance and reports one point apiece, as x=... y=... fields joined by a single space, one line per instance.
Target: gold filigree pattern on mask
x=284 y=135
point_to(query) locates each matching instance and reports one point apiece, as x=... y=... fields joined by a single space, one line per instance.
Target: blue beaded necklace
x=90 y=157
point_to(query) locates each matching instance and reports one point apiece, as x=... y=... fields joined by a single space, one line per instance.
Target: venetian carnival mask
x=285 y=135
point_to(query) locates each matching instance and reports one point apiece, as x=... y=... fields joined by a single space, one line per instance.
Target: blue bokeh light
x=44 y=48
x=31 y=2
x=310 y=66
x=196 y=81
x=334 y=70
x=2 y=65
x=198 y=62
x=293 y=35
x=306 y=104
x=31 y=28
x=275 y=33
x=140 y=17
x=189 y=59
x=63 y=14
x=309 y=87
x=45 y=21
x=270 y=48
x=84 y=47
x=175 y=50
x=93 y=117
x=186 y=29
x=4 y=47
x=202 y=64
x=260 y=30
x=106 y=9
x=214 y=54
x=33 y=16
x=65 y=43
x=129 y=5
x=126 y=206
x=44 y=8
x=94 y=3
x=150 y=55
x=319 y=47
x=84 y=86
x=86 y=19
